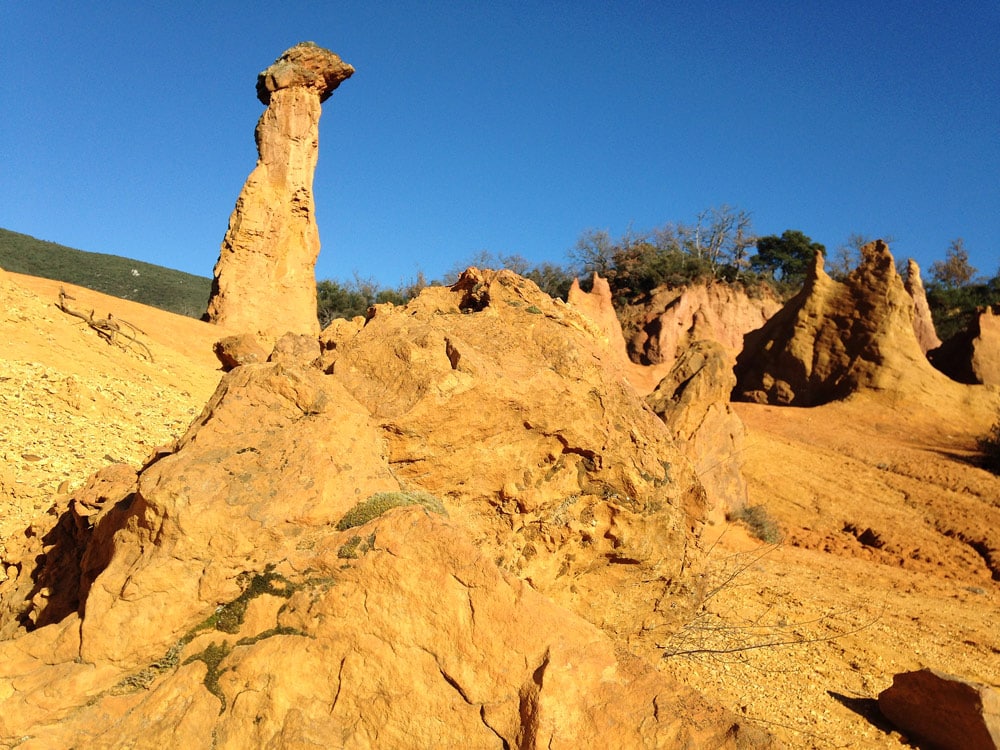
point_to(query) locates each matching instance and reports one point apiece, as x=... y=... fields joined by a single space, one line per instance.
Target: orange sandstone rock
x=219 y=599
x=973 y=354
x=923 y=324
x=834 y=339
x=265 y=281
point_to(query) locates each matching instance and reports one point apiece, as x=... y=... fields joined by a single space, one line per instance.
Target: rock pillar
x=265 y=281
x=923 y=323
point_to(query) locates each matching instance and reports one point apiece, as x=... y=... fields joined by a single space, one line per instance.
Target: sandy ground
x=845 y=616
x=890 y=552
x=72 y=402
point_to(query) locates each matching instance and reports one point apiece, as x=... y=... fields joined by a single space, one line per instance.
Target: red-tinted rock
x=942 y=710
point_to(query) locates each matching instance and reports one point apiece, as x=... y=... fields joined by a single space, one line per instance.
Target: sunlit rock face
x=923 y=323
x=834 y=339
x=265 y=281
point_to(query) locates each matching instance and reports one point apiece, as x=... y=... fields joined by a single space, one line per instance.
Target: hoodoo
x=836 y=338
x=923 y=323
x=265 y=280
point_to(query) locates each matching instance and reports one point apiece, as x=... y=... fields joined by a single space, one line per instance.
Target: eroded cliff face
x=659 y=331
x=972 y=355
x=834 y=339
x=923 y=323
x=689 y=389
x=265 y=281
x=255 y=583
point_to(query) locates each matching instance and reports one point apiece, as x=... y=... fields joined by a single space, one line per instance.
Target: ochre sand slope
x=918 y=590
x=70 y=402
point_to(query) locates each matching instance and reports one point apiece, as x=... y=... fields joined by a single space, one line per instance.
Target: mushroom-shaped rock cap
x=308 y=65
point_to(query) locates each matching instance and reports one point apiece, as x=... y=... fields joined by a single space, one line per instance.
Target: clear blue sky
x=127 y=127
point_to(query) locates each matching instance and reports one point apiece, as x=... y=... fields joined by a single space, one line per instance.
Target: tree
x=786 y=258
x=954 y=271
x=722 y=236
x=594 y=251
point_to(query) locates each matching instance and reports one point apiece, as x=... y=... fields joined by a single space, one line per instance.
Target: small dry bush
x=759 y=521
x=719 y=627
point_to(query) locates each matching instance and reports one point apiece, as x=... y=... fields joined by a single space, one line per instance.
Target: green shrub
x=380 y=502
x=990 y=446
x=759 y=521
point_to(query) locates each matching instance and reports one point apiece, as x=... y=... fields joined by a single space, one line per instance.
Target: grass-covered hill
x=156 y=286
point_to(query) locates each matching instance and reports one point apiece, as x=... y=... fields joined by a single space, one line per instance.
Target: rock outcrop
x=265 y=282
x=257 y=585
x=923 y=323
x=660 y=330
x=972 y=355
x=689 y=392
x=693 y=400
x=834 y=339
x=943 y=711
x=598 y=307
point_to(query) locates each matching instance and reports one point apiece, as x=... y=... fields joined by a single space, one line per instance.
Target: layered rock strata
x=265 y=282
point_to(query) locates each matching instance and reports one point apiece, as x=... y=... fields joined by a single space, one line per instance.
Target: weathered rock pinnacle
x=923 y=323
x=265 y=280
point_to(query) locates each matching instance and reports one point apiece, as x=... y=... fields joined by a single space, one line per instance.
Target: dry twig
x=109 y=329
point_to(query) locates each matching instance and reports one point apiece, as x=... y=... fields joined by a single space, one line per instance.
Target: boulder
x=972 y=355
x=239 y=349
x=834 y=339
x=923 y=323
x=265 y=282
x=943 y=711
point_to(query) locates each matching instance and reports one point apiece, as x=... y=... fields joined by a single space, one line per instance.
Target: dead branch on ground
x=110 y=329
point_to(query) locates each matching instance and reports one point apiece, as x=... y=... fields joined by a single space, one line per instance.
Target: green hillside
x=156 y=286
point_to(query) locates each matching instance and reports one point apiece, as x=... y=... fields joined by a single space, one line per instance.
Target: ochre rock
x=943 y=711
x=973 y=354
x=690 y=390
x=494 y=395
x=693 y=400
x=265 y=280
x=923 y=323
x=218 y=598
x=658 y=331
x=597 y=305
x=418 y=640
x=239 y=349
x=834 y=339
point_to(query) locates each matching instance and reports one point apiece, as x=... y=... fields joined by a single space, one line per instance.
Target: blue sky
x=127 y=127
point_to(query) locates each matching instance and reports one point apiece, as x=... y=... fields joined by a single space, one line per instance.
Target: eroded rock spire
x=265 y=281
